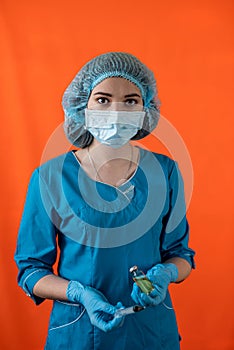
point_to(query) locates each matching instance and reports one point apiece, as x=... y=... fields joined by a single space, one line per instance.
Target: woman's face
x=116 y=94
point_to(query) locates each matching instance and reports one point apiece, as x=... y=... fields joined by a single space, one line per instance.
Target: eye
x=131 y=102
x=102 y=100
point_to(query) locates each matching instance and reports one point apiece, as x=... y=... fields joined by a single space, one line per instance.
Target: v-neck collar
x=123 y=185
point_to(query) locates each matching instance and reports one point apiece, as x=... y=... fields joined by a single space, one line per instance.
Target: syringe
x=128 y=310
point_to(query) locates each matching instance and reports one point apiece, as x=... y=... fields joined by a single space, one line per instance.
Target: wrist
x=172 y=269
x=74 y=291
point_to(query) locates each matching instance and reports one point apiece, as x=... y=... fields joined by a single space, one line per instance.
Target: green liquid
x=144 y=284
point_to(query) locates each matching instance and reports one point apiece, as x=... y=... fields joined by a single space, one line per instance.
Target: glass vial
x=141 y=280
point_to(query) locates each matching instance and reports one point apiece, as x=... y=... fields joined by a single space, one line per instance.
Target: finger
x=136 y=298
x=145 y=300
x=103 y=325
x=115 y=323
x=135 y=295
x=149 y=301
x=155 y=292
x=108 y=308
x=119 y=305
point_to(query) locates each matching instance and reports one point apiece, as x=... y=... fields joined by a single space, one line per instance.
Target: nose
x=117 y=106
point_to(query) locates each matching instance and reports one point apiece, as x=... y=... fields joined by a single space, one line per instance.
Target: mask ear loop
x=143 y=132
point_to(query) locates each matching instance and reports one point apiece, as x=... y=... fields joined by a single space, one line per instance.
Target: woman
x=109 y=206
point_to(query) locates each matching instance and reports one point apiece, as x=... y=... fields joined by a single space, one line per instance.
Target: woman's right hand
x=100 y=311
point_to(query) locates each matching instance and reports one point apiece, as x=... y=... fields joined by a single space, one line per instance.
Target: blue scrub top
x=102 y=231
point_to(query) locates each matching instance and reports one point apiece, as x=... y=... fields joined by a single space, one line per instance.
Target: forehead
x=116 y=85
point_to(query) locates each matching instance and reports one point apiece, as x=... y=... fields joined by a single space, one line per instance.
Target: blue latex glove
x=100 y=312
x=161 y=275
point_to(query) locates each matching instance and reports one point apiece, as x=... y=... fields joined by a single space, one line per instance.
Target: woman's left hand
x=161 y=275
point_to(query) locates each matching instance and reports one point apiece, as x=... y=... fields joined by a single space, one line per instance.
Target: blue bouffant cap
x=113 y=64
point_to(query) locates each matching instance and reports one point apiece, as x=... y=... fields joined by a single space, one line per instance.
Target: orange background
x=189 y=45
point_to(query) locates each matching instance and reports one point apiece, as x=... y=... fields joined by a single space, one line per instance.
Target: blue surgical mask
x=113 y=128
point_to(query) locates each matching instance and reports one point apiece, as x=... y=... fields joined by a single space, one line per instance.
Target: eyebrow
x=133 y=95
x=103 y=93
x=109 y=95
